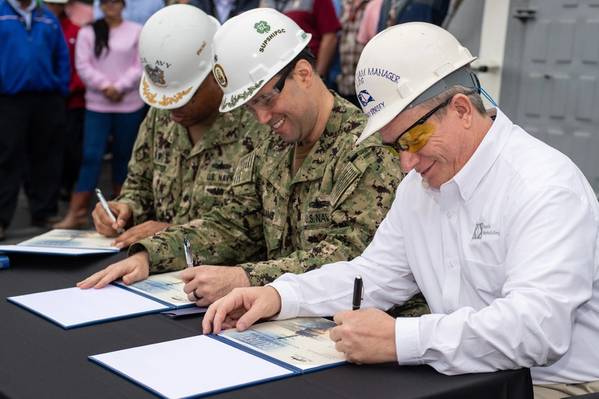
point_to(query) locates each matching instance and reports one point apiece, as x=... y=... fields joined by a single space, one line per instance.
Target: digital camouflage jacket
x=272 y=222
x=169 y=180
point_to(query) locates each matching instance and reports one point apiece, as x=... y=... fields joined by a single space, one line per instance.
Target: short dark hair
x=305 y=54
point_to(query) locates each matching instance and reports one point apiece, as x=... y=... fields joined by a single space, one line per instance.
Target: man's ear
x=304 y=73
x=464 y=108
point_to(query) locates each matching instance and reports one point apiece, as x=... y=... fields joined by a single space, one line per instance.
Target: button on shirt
x=505 y=253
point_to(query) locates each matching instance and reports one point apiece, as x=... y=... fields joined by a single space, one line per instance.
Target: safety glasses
x=267 y=100
x=417 y=135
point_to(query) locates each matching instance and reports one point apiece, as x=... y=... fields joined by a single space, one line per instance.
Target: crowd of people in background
x=69 y=96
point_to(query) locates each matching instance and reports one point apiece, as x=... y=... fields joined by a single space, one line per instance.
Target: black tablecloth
x=38 y=359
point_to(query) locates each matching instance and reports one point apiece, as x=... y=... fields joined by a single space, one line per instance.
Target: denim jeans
x=98 y=126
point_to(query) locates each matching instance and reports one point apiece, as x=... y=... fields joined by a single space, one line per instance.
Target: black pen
x=358 y=287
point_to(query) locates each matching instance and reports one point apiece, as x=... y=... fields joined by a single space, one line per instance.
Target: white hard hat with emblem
x=175 y=48
x=400 y=64
x=250 y=49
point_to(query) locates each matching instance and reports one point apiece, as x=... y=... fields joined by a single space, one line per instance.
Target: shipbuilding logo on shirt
x=478 y=232
x=482 y=229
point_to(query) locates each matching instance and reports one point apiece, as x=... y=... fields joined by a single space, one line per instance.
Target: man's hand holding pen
x=205 y=284
x=364 y=336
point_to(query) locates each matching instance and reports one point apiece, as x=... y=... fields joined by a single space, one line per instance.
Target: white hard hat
x=401 y=63
x=175 y=48
x=250 y=49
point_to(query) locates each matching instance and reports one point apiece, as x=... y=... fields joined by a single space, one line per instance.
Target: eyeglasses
x=416 y=136
x=266 y=100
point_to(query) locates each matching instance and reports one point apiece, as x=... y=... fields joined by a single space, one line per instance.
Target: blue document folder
x=230 y=360
x=74 y=307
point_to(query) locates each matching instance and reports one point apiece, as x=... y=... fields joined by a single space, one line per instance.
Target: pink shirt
x=370 y=21
x=119 y=67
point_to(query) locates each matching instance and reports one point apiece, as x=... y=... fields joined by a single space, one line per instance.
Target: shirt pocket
x=486 y=279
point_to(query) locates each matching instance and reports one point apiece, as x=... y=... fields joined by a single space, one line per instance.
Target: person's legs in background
x=14 y=114
x=73 y=151
x=97 y=127
x=45 y=149
x=126 y=126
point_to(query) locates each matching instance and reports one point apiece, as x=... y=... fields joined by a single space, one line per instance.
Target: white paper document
x=65 y=242
x=190 y=366
x=73 y=307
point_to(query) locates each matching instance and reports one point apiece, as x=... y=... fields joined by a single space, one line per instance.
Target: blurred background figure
x=108 y=63
x=318 y=18
x=34 y=77
x=136 y=10
x=221 y=9
x=75 y=106
x=80 y=12
x=381 y=14
x=350 y=49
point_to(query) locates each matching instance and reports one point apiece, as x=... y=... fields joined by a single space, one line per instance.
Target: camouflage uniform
x=273 y=222
x=171 y=181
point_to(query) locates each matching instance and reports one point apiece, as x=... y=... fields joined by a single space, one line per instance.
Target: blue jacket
x=32 y=61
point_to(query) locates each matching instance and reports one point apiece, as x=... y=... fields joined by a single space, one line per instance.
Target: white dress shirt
x=505 y=253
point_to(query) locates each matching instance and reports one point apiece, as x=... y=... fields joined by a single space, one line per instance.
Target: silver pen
x=187 y=252
x=107 y=209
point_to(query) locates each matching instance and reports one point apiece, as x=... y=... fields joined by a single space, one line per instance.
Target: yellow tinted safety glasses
x=416 y=136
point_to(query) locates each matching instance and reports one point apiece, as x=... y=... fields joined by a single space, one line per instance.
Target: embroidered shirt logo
x=481 y=230
x=478 y=232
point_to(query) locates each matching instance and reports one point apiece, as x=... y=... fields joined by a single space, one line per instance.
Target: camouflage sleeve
x=137 y=191
x=227 y=235
x=362 y=195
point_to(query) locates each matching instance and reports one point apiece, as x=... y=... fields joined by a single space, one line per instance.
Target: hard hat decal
x=165 y=101
x=219 y=74
x=380 y=72
x=262 y=27
x=375 y=109
x=202 y=47
x=148 y=95
x=269 y=38
x=364 y=97
x=156 y=75
x=249 y=92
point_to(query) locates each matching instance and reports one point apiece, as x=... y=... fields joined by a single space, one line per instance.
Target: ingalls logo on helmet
x=364 y=97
